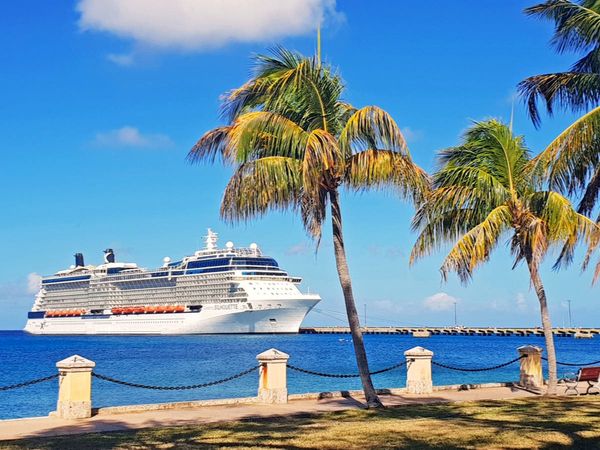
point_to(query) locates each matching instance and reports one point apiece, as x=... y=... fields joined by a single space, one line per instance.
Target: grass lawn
x=536 y=423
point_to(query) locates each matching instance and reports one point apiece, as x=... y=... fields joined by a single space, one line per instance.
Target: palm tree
x=484 y=190
x=577 y=28
x=293 y=143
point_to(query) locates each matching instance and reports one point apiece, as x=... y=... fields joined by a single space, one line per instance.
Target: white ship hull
x=284 y=319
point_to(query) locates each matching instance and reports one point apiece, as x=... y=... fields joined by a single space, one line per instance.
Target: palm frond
x=577 y=25
x=262 y=185
x=323 y=164
x=589 y=63
x=590 y=195
x=475 y=246
x=564 y=226
x=260 y=133
x=372 y=128
x=212 y=145
x=380 y=169
x=567 y=90
x=435 y=230
x=313 y=210
x=571 y=159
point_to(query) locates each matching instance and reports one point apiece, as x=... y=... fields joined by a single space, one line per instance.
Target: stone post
x=418 y=371
x=74 y=388
x=272 y=382
x=531 y=367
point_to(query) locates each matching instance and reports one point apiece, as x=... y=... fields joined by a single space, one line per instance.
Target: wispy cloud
x=20 y=291
x=298 y=249
x=521 y=301
x=410 y=134
x=129 y=136
x=34 y=282
x=123 y=59
x=196 y=25
x=439 y=302
x=391 y=252
x=389 y=306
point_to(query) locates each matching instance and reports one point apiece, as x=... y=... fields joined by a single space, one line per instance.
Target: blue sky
x=98 y=112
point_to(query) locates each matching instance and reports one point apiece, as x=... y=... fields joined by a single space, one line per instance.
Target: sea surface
x=185 y=360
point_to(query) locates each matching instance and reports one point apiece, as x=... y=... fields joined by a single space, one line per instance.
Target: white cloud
x=193 y=25
x=439 y=302
x=34 y=282
x=129 y=136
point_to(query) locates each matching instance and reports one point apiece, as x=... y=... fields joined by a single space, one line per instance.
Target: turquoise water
x=181 y=360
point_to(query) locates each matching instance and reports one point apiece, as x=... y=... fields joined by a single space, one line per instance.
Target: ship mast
x=211 y=240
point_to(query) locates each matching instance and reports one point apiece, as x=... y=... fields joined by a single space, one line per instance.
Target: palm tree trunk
x=344 y=275
x=547 y=326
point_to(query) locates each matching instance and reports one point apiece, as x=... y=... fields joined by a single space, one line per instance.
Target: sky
x=102 y=99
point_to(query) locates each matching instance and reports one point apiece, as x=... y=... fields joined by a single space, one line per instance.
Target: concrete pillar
x=531 y=367
x=272 y=382
x=75 y=388
x=418 y=371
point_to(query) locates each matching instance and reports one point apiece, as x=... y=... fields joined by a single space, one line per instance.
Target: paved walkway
x=52 y=426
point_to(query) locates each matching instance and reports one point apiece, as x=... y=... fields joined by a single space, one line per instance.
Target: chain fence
x=478 y=369
x=344 y=375
x=573 y=364
x=174 y=388
x=28 y=383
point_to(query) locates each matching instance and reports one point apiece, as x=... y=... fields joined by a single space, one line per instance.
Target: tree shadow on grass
x=526 y=423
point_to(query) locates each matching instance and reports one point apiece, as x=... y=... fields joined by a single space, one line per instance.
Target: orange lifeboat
x=180 y=308
x=127 y=310
x=138 y=310
x=161 y=309
x=170 y=309
x=117 y=311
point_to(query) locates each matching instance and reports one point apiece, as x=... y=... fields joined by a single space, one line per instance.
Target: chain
x=480 y=369
x=572 y=364
x=173 y=388
x=343 y=375
x=28 y=383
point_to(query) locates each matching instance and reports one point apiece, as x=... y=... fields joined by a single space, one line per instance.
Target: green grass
x=537 y=423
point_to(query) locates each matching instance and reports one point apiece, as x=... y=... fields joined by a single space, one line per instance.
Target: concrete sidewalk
x=53 y=426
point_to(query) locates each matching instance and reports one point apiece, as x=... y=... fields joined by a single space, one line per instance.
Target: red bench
x=591 y=375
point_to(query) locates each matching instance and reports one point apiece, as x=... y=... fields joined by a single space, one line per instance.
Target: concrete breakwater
x=458 y=331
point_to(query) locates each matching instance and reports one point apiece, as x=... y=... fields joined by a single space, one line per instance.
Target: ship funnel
x=109 y=256
x=79 y=260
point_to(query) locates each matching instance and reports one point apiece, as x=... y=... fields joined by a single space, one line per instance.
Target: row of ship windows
x=144 y=281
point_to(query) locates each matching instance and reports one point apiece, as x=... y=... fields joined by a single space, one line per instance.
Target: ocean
x=185 y=360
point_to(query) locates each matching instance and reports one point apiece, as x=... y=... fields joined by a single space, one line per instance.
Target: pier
x=458 y=331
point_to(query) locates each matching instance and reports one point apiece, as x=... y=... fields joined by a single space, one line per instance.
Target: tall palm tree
x=577 y=28
x=484 y=190
x=293 y=143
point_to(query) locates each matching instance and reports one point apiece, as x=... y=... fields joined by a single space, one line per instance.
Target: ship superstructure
x=215 y=290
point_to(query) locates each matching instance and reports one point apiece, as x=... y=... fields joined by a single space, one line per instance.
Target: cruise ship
x=214 y=291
